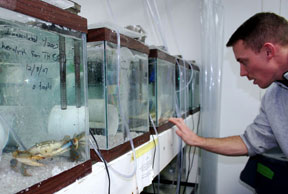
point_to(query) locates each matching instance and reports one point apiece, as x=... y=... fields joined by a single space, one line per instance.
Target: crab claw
x=81 y=139
x=26 y=158
x=13 y=164
x=75 y=143
x=24 y=171
x=75 y=155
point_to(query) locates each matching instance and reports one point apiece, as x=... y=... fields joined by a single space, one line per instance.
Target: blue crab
x=47 y=149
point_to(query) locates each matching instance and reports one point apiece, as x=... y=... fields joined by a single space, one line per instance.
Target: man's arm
x=231 y=146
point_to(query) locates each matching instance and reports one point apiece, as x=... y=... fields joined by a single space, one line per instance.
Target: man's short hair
x=260 y=28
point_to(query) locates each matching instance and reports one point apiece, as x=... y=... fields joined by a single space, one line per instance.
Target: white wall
x=181 y=23
x=240 y=98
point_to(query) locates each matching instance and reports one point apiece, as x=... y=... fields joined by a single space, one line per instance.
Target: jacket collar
x=284 y=83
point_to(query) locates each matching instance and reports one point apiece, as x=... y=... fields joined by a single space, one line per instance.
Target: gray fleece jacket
x=270 y=128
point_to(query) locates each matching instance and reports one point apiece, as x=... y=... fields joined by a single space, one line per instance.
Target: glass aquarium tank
x=183 y=76
x=161 y=86
x=189 y=78
x=43 y=96
x=117 y=89
x=195 y=88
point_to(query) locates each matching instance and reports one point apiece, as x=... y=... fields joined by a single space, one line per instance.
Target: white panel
x=284 y=8
x=183 y=28
x=240 y=98
x=271 y=6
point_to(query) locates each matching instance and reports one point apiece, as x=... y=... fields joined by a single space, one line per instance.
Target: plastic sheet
x=153 y=12
x=210 y=85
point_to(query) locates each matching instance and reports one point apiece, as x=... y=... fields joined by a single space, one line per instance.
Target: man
x=260 y=45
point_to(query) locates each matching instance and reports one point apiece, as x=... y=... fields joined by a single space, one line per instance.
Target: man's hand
x=185 y=133
x=231 y=146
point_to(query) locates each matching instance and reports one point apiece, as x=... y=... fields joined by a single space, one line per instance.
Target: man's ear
x=269 y=49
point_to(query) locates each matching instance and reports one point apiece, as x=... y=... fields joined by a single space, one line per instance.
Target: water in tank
x=43 y=100
x=189 y=78
x=182 y=78
x=161 y=86
x=116 y=102
x=196 y=89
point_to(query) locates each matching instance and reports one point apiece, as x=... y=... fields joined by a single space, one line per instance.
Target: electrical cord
x=153 y=160
x=190 y=79
x=156 y=132
x=180 y=155
x=123 y=118
x=180 y=167
x=154 y=13
x=194 y=151
x=101 y=158
x=154 y=154
x=178 y=113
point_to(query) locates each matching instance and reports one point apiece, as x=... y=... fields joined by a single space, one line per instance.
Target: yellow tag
x=144 y=149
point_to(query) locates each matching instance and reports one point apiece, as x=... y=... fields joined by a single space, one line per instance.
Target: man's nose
x=243 y=71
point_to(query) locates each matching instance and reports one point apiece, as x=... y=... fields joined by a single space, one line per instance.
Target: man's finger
x=179 y=133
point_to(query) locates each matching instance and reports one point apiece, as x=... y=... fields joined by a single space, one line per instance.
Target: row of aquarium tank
x=58 y=81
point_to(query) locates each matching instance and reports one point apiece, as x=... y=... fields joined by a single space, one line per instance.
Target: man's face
x=255 y=66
